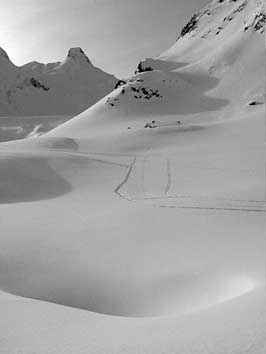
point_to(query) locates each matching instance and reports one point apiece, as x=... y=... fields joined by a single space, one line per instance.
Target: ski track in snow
x=124 y=181
x=180 y=201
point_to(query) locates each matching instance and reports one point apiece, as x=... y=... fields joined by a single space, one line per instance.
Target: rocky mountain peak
x=78 y=54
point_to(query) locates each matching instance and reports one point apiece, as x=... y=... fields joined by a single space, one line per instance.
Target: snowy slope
x=121 y=239
x=226 y=43
x=66 y=87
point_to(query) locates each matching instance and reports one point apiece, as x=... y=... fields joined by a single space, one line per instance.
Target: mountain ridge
x=66 y=87
x=225 y=38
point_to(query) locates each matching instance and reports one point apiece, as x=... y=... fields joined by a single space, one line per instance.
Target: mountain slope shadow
x=29 y=179
x=169 y=91
x=163 y=65
x=196 y=98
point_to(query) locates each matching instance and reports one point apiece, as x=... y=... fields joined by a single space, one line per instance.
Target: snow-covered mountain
x=217 y=64
x=67 y=87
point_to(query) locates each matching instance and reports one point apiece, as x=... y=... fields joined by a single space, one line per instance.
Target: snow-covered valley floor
x=152 y=235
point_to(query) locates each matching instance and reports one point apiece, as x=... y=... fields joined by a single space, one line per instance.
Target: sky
x=115 y=34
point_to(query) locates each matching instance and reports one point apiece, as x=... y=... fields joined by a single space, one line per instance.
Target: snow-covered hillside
x=67 y=87
x=216 y=65
x=121 y=239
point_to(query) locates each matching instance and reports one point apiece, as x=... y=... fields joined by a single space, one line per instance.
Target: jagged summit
x=78 y=54
x=66 y=87
x=73 y=55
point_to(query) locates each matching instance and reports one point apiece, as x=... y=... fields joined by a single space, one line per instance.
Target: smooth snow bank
x=82 y=332
x=26 y=178
x=158 y=257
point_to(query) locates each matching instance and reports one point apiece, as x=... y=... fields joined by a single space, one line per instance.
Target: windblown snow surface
x=117 y=238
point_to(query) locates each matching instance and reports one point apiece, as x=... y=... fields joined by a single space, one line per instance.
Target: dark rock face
x=37 y=84
x=260 y=21
x=77 y=53
x=31 y=82
x=142 y=69
x=28 y=82
x=190 y=26
x=120 y=83
x=143 y=92
x=138 y=92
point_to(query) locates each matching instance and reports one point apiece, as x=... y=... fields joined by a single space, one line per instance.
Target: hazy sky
x=115 y=34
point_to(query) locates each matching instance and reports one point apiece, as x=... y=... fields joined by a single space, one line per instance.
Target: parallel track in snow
x=179 y=201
